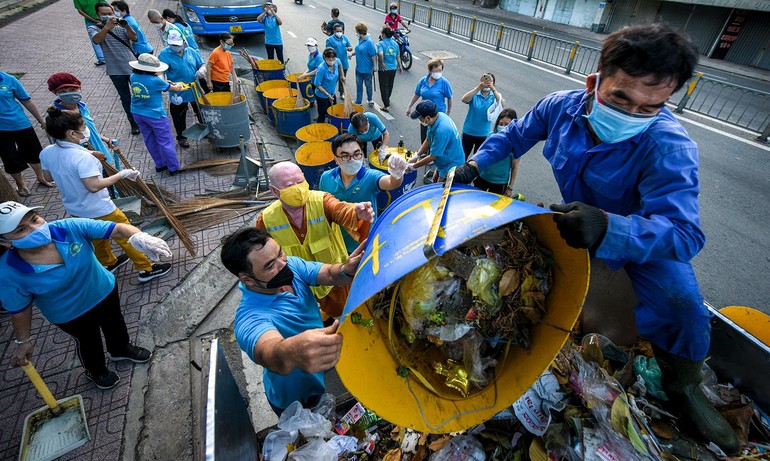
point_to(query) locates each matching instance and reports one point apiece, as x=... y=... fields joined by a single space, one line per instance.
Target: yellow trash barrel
x=313 y=159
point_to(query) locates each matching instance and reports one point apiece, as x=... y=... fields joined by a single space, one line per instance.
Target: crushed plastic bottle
x=461 y=448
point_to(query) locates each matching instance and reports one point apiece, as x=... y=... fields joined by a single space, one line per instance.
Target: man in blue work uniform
x=353 y=182
x=628 y=173
x=442 y=142
x=278 y=323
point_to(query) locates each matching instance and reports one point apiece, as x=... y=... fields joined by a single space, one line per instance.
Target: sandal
x=23 y=192
x=45 y=183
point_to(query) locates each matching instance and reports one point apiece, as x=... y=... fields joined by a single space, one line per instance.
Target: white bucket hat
x=148 y=62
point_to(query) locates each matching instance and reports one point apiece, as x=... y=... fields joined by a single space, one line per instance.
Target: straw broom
x=181 y=232
x=348 y=107
x=203 y=220
x=196 y=205
x=7 y=191
x=127 y=188
x=245 y=55
x=210 y=163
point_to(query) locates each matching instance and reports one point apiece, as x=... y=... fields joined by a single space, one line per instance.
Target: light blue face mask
x=37 y=238
x=227 y=47
x=612 y=124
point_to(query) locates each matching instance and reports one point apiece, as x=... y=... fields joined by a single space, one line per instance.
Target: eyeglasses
x=357 y=155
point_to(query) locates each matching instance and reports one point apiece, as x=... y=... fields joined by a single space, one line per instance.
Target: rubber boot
x=681 y=381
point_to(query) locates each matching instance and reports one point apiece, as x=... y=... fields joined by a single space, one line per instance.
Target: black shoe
x=122 y=259
x=163 y=168
x=135 y=354
x=183 y=143
x=99 y=63
x=135 y=130
x=158 y=270
x=107 y=380
x=173 y=173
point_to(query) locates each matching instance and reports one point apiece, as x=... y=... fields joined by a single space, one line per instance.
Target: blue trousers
x=361 y=80
x=97 y=48
x=671 y=313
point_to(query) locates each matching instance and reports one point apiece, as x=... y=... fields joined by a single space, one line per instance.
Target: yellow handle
x=37 y=381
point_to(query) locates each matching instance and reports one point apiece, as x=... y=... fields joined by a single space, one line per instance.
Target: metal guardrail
x=734 y=104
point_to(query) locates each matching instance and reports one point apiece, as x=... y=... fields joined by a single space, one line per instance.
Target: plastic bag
x=301 y=419
x=275 y=446
x=534 y=407
x=315 y=450
x=461 y=448
x=649 y=370
x=425 y=292
x=480 y=369
x=343 y=444
x=494 y=111
x=326 y=406
x=484 y=282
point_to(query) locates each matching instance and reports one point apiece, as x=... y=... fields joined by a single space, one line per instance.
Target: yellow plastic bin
x=367 y=366
x=316 y=132
x=313 y=159
x=269 y=69
x=268 y=85
x=305 y=86
x=275 y=94
x=288 y=117
x=339 y=118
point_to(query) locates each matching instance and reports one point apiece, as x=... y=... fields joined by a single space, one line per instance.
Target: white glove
x=201 y=72
x=397 y=166
x=153 y=247
x=131 y=175
x=364 y=211
x=382 y=153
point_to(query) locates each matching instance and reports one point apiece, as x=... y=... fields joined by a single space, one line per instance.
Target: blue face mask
x=612 y=124
x=227 y=47
x=37 y=238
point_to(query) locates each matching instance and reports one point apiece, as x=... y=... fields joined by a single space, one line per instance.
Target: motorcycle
x=404 y=51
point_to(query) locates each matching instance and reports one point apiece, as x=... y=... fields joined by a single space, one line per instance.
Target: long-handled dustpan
x=56 y=429
x=199 y=130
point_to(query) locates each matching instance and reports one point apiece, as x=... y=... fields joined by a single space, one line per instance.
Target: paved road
x=735 y=175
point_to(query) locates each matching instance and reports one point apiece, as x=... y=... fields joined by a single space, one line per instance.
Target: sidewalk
x=151 y=414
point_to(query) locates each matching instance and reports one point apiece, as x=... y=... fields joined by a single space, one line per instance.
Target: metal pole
x=531 y=45
x=572 y=54
x=473 y=28
x=686 y=98
x=763 y=137
x=499 y=36
x=449 y=24
x=430 y=15
x=414 y=8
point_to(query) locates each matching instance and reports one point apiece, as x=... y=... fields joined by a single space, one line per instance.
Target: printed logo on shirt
x=4 y=88
x=75 y=248
x=139 y=91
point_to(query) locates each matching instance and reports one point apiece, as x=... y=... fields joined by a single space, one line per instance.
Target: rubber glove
x=383 y=153
x=397 y=166
x=131 y=175
x=581 y=225
x=364 y=211
x=466 y=173
x=153 y=247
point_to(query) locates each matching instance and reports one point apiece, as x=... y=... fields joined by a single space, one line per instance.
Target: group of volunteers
x=626 y=169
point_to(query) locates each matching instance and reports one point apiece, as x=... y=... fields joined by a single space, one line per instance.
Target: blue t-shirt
x=340 y=46
x=445 y=144
x=182 y=68
x=272 y=30
x=498 y=172
x=376 y=128
x=62 y=292
x=314 y=60
x=140 y=45
x=363 y=188
x=147 y=95
x=189 y=36
x=290 y=315
x=327 y=79
x=389 y=49
x=12 y=116
x=438 y=93
x=95 y=139
x=476 y=121
x=365 y=51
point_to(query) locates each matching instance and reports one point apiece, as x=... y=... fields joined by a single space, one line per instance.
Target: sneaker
x=99 y=63
x=173 y=173
x=122 y=259
x=385 y=109
x=371 y=103
x=158 y=270
x=135 y=354
x=183 y=143
x=107 y=380
x=342 y=95
x=159 y=169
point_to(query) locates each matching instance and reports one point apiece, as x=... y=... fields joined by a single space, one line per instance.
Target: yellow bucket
x=305 y=86
x=268 y=85
x=268 y=69
x=367 y=366
x=313 y=159
x=339 y=118
x=275 y=94
x=316 y=132
x=288 y=117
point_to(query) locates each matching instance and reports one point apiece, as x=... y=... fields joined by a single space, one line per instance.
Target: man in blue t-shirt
x=443 y=141
x=352 y=182
x=278 y=322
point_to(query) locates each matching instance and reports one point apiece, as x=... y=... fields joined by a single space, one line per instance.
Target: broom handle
x=37 y=381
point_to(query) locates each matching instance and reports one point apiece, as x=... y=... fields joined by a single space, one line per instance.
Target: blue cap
x=424 y=109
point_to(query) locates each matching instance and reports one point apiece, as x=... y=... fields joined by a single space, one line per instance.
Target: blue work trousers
x=361 y=80
x=671 y=313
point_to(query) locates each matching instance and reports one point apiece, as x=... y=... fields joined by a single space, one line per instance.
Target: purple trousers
x=159 y=139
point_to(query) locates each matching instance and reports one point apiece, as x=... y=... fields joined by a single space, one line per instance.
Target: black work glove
x=466 y=173
x=581 y=225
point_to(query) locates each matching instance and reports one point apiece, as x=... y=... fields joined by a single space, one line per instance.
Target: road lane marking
x=386 y=115
x=291 y=33
x=311 y=6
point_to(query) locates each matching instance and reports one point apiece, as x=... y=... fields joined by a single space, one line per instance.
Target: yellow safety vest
x=323 y=242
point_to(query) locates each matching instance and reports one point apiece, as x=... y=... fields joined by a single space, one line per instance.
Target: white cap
x=11 y=214
x=175 y=38
x=311 y=42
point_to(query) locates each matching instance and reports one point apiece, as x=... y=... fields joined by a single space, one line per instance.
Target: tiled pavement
x=50 y=40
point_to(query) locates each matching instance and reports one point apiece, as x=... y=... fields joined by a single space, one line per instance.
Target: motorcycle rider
x=393 y=19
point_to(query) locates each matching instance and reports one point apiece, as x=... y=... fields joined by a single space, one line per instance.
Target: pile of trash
x=596 y=402
x=453 y=319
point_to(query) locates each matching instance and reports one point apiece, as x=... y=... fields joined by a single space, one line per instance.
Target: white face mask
x=158 y=25
x=486 y=90
x=312 y=49
x=86 y=135
x=118 y=14
x=338 y=34
x=352 y=167
x=436 y=75
x=423 y=123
